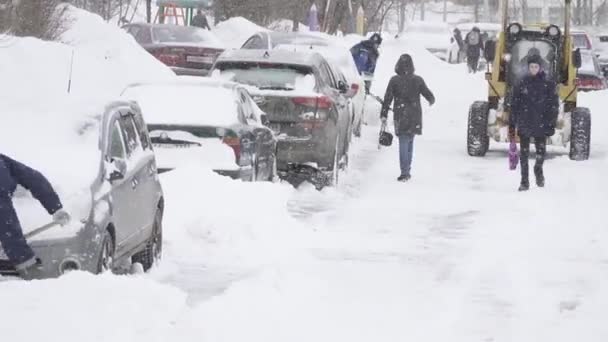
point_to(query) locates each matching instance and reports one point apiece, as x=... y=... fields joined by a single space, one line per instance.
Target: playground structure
x=182 y=11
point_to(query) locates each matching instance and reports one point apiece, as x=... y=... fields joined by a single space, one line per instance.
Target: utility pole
x=445 y=10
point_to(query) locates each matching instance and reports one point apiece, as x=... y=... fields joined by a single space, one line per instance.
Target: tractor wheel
x=478 y=141
x=580 y=139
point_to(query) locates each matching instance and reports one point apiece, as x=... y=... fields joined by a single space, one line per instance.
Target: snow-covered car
x=590 y=76
x=307 y=106
x=270 y=40
x=601 y=49
x=186 y=50
x=436 y=37
x=207 y=122
x=342 y=59
x=489 y=30
x=104 y=171
x=581 y=40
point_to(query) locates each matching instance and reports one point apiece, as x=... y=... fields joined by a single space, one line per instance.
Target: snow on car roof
x=186 y=104
x=273 y=56
x=338 y=56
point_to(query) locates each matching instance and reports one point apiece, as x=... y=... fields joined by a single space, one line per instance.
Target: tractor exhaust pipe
x=505 y=14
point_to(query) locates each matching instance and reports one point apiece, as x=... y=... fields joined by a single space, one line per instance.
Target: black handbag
x=386 y=138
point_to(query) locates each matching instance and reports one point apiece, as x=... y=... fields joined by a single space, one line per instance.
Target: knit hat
x=535 y=59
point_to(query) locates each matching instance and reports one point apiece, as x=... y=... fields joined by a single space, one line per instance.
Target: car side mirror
x=343 y=87
x=116 y=169
x=489 y=51
x=577 y=59
x=264 y=119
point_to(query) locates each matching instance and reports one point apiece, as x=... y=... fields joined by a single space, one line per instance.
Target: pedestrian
x=460 y=43
x=200 y=20
x=534 y=110
x=13 y=173
x=474 y=47
x=403 y=93
x=365 y=55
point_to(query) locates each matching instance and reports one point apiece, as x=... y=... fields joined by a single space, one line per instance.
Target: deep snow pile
x=38 y=114
x=235 y=31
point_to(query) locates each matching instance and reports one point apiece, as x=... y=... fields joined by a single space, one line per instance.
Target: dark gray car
x=125 y=204
x=305 y=102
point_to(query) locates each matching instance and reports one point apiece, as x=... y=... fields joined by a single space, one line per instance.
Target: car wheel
x=106 y=254
x=153 y=252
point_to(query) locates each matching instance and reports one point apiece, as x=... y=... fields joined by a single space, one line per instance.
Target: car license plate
x=275 y=127
x=200 y=59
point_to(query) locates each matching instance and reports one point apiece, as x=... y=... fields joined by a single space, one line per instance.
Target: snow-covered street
x=456 y=254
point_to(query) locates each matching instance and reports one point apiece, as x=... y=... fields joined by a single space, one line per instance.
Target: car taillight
x=235 y=144
x=320 y=102
x=169 y=57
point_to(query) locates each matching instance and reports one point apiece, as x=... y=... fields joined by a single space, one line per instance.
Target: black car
x=207 y=122
x=306 y=104
x=186 y=50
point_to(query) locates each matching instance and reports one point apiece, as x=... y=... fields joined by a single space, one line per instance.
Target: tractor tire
x=478 y=141
x=580 y=138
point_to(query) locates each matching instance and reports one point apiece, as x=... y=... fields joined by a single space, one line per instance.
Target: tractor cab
x=488 y=120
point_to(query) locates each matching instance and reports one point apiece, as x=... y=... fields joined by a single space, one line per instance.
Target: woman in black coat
x=403 y=92
x=534 y=110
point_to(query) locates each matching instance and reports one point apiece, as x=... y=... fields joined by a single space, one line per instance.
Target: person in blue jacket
x=534 y=110
x=366 y=56
x=13 y=173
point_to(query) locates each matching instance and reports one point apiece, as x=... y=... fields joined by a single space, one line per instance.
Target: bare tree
x=45 y=19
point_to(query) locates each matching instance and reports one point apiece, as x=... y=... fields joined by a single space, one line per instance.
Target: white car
x=436 y=37
x=601 y=50
x=209 y=123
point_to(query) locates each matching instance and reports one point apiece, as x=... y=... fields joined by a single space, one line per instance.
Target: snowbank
x=56 y=132
x=82 y=307
x=235 y=31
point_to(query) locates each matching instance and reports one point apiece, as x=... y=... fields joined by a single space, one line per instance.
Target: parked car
x=307 y=106
x=433 y=36
x=207 y=122
x=270 y=40
x=187 y=50
x=343 y=64
x=581 y=40
x=104 y=170
x=590 y=76
x=601 y=49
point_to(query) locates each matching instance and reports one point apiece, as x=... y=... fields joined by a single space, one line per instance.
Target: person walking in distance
x=403 y=93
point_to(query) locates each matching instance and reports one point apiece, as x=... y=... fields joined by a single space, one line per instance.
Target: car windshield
x=602 y=44
x=299 y=40
x=182 y=34
x=269 y=76
x=523 y=50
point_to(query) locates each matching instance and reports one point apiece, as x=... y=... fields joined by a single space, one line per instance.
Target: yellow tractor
x=490 y=119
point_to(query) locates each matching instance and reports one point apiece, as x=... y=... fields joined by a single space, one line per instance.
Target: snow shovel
x=40 y=230
x=513 y=155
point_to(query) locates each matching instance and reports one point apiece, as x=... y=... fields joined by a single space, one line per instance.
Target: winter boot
x=540 y=178
x=525 y=185
x=404 y=178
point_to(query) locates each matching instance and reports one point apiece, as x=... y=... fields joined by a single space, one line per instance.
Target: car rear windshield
x=269 y=76
x=182 y=34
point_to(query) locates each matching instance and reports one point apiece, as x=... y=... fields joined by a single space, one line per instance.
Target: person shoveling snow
x=13 y=173
x=366 y=55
